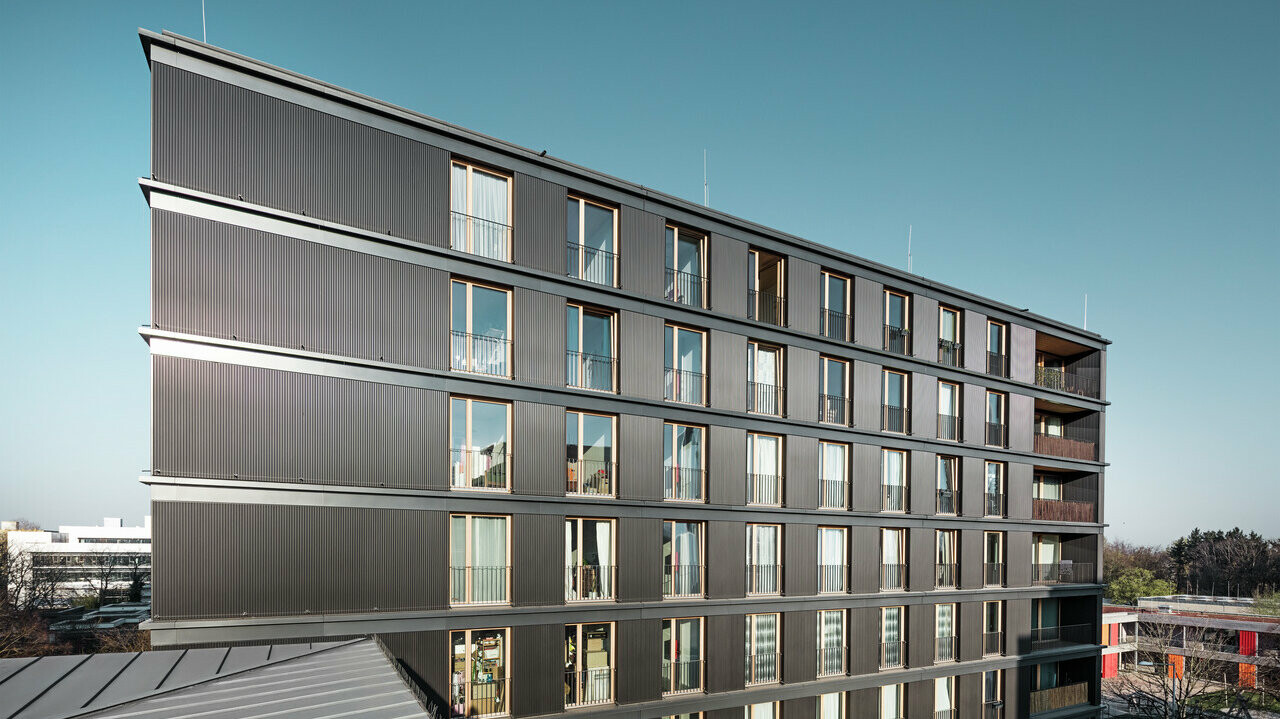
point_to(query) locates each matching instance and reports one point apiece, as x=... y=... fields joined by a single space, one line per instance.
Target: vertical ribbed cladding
x=1022 y=354
x=1017 y=559
x=538 y=337
x=640 y=343
x=294 y=560
x=922 y=478
x=219 y=420
x=973 y=483
x=1080 y=548
x=1017 y=626
x=641 y=639
x=1021 y=422
x=639 y=457
x=803 y=292
x=641 y=252
x=969 y=696
x=864 y=560
x=219 y=138
x=639 y=563
x=1090 y=366
x=864 y=651
x=728 y=276
x=537 y=559
x=924 y=406
x=868 y=394
x=919 y=698
x=426 y=657
x=921 y=543
x=868 y=313
x=863 y=703
x=924 y=328
x=726 y=575
x=974 y=422
x=866 y=478
x=802 y=384
x=539 y=224
x=1017 y=691
x=537 y=450
x=970 y=627
x=726 y=713
x=799 y=646
x=920 y=635
x=726 y=652
x=222 y=280
x=537 y=676
x=728 y=384
x=800 y=563
x=971 y=556
x=727 y=477
x=975 y=341
x=801 y=708
x=1018 y=490
x=802 y=472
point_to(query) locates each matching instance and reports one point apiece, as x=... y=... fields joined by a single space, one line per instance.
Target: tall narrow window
x=831 y=642
x=833 y=475
x=686 y=379
x=766 y=710
x=897 y=323
x=1047 y=558
x=893 y=559
x=994 y=493
x=992 y=628
x=835 y=322
x=764 y=379
x=944 y=624
x=682 y=559
x=766 y=296
x=949 y=346
x=589 y=452
x=892 y=702
x=592 y=241
x=997 y=429
x=1045 y=626
x=833 y=564
x=590 y=356
x=1047 y=487
x=764 y=469
x=764 y=559
x=686 y=267
x=833 y=405
x=479 y=572
x=948 y=484
x=479 y=454
x=1048 y=425
x=993 y=558
x=893 y=480
x=480 y=332
x=683 y=462
x=946 y=559
x=589 y=564
x=682 y=655
x=944 y=698
x=949 y=411
x=992 y=695
x=997 y=352
x=831 y=706
x=480 y=208
x=892 y=638
x=763 y=659
x=588 y=662
x=479 y=666
x=896 y=415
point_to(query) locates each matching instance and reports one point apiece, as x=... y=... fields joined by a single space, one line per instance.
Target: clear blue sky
x=1041 y=150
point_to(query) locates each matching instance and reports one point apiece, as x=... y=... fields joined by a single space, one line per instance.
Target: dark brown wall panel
x=1018 y=490
x=537 y=682
x=537 y=450
x=864 y=651
x=868 y=313
x=728 y=466
x=920 y=699
x=801 y=708
x=924 y=328
x=725 y=652
x=975 y=341
x=799 y=646
x=866 y=478
x=971 y=576
x=1021 y=422
x=924 y=406
x=1022 y=354
x=537 y=559
x=538 y=337
x=728 y=276
x=868 y=384
x=920 y=635
x=922 y=478
x=802 y=384
x=642 y=254
x=970 y=631
x=1017 y=554
x=973 y=485
x=425 y=656
x=638 y=677
x=728 y=363
x=1017 y=626
x=800 y=566
x=802 y=472
x=864 y=559
x=640 y=557
x=639 y=457
x=921 y=546
x=539 y=228
x=726 y=576
x=804 y=291
x=640 y=343
x=974 y=423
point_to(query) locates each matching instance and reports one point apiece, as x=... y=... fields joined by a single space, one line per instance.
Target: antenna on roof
x=204 y=32
x=908 y=248
x=1086 y=311
x=706 y=195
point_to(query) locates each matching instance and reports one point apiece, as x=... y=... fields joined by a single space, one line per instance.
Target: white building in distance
x=79 y=561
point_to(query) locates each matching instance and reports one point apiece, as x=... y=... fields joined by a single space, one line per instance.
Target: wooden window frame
x=702 y=651
x=470 y=402
x=582 y=214
x=470 y=286
x=612 y=316
x=471 y=168
x=579 y=650
x=751 y=642
x=669 y=429
x=702 y=549
x=942 y=312
x=613 y=447
x=467 y=543
x=577 y=528
x=906 y=308
x=506 y=665
x=1003 y=337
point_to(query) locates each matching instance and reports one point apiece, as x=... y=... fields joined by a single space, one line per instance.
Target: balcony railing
x=476 y=700
x=944 y=649
x=763 y=668
x=1059 y=510
x=949 y=427
x=479 y=469
x=480 y=236
x=1065 y=447
x=588 y=687
x=945 y=575
x=683 y=483
x=685 y=386
x=893 y=654
x=897 y=340
x=833 y=494
x=835 y=325
x=481 y=354
x=893 y=577
x=997 y=434
x=682 y=581
x=1053 y=637
x=893 y=498
x=993 y=504
x=831 y=661
x=764 y=489
x=834 y=409
x=589 y=583
x=944 y=714
x=997 y=364
x=687 y=288
x=1063 y=381
x=831 y=578
x=993 y=710
x=764 y=579
x=589 y=478
x=950 y=353
x=948 y=502
x=895 y=419
x=479 y=585
x=681 y=677
x=1047 y=700
x=591 y=264
x=992 y=643
x=766 y=307
x=993 y=574
x=1064 y=573
x=588 y=371
x=765 y=398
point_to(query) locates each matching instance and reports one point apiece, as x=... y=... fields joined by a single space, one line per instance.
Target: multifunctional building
x=564 y=443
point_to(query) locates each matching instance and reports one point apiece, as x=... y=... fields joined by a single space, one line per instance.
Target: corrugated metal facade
x=539 y=234
x=803 y=292
x=728 y=274
x=538 y=464
x=640 y=343
x=728 y=466
x=725 y=635
x=799 y=646
x=802 y=472
x=800 y=566
x=537 y=559
x=642 y=257
x=642 y=582
x=728 y=388
x=868 y=314
x=802 y=384
x=639 y=476
x=726 y=579
x=537 y=685
x=642 y=639
x=538 y=337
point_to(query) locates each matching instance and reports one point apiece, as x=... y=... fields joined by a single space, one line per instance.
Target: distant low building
x=110 y=560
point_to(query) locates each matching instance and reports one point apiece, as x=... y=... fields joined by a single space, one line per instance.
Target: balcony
x=591 y=479
x=1055 y=637
x=893 y=577
x=1064 y=381
x=766 y=307
x=1066 y=572
x=588 y=687
x=833 y=494
x=687 y=288
x=993 y=574
x=1047 y=700
x=835 y=325
x=480 y=354
x=480 y=236
x=1059 y=510
x=893 y=655
x=949 y=427
x=588 y=371
x=992 y=643
x=895 y=419
x=831 y=661
x=479 y=699
x=992 y=504
x=592 y=264
x=763 y=668
x=897 y=340
x=997 y=434
x=993 y=710
x=834 y=409
x=589 y=583
x=684 y=484
x=1060 y=446
x=681 y=677
x=948 y=502
x=944 y=649
x=479 y=469
x=893 y=498
x=997 y=364
x=479 y=585
x=764 y=579
x=685 y=386
x=945 y=575
x=764 y=490
x=765 y=398
x=950 y=353
x=682 y=581
x=945 y=714
x=831 y=578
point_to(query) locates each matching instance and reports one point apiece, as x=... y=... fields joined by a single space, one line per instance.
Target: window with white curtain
x=767 y=710
x=589 y=559
x=992 y=628
x=831 y=706
x=945 y=560
x=762 y=642
x=684 y=450
x=591 y=241
x=764 y=378
x=764 y=469
x=1048 y=550
x=1046 y=486
x=589 y=453
x=764 y=558
x=891 y=701
x=831 y=642
x=893 y=480
x=833 y=473
x=948 y=485
x=834 y=406
x=893 y=559
x=994 y=504
x=948 y=324
x=944 y=697
x=832 y=559
x=479 y=547
x=682 y=558
x=944 y=628
x=480 y=208
x=892 y=637
x=681 y=655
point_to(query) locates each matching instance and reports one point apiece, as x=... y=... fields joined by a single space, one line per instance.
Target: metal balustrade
x=479 y=469
x=997 y=434
x=1061 y=510
x=681 y=677
x=831 y=661
x=480 y=354
x=479 y=585
x=993 y=504
x=832 y=578
x=893 y=497
x=992 y=643
x=950 y=353
x=834 y=409
x=589 y=583
x=590 y=478
x=835 y=325
x=945 y=575
x=949 y=427
x=997 y=364
x=764 y=668
x=1067 y=447
x=763 y=398
x=893 y=577
x=684 y=483
x=993 y=574
x=764 y=579
x=479 y=699
x=682 y=581
x=893 y=654
x=591 y=263
x=944 y=649
x=687 y=288
x=895 y=419
x=766 y=307
x=588 y=687
x=1063 y=381
x=1064 y=573
x=897 y=340
x=479 y=236
x=589 y=371
x=685 y=386
x=833 y=494
x=948 y=502
x=1046 y=700
x=1062 y=636
x=764 y=489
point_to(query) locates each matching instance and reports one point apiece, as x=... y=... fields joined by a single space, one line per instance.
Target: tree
x=101 y=571
x=1134 y=583
x=1179 y=672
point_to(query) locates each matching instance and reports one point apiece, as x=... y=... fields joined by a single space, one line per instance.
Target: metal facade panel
x=728 y=384
x=728 y=276
x=971 y=576
x=1021 y=422
x=638 y=678
x=1017 y=700
x=537 y=450
x=924 y=406
x=1017 y=626
x=639 y=560
x=866 y=478
x=970 y=631
x=726 y=713
x=232 y=282
x=218 y=138
x=864 y=560
x=969 y=696
x=639 y=457
x=864 y=649
x=975 y=341
x=974 y=422
x=802 y=384
x=804 y=290
x=922 y=478
x=384 y=569
x=802 y=472
x=218 y=420
x=538 y=337
x=537 y=683
x=868 y=394
x=920 y=635
x=726 y=578
x=868 y=313
x=641 y=252
x=863 y=703
x=921 y=544
x=801 y=708
x=1018 y=490
x=725 y=634
x=639 y=354
x=924 y=328
x=800 y=566
x=537 y=559
x=728 y=466
x=539 y=228
x=799 y=646
x=973 y=484
x=919 y=699
x=1022 y=354
x=1017 y=554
